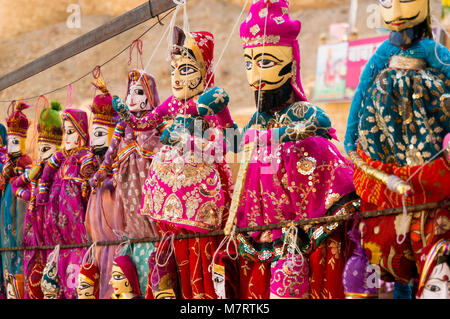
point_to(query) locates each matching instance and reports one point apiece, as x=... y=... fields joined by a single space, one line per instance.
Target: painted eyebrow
x=187 y=65
x=268 y=54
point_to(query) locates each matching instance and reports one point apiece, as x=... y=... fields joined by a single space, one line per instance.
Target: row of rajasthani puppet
x=149 y=168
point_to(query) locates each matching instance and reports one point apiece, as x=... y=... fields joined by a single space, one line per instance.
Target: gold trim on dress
x=407 y=63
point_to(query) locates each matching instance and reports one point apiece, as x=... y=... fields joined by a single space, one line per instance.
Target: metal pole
x=88 y=40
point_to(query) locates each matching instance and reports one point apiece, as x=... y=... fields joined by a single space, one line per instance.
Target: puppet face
x=399 y=15
x=71 y=137
x=13 y=144
x=187 y=79
x=45 y=151
x=100 y=136
x=136 y=100
x=85 y=289
x=438 y=284
x=270 y=65
x=218 y=278
x=10 y=292
x=119 y=281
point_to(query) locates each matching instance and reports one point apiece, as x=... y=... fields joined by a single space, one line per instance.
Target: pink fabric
x=292 y=181
x=280 y=30
x=65 y=209
x=290 y=277
x=32 y=229
x=190 y=195
x=129 y=269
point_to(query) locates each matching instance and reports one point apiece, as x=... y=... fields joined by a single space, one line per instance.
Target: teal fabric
x=139 y=254
x=212 y=101
x=12 y=218
x=425 y=49
x=311 y=117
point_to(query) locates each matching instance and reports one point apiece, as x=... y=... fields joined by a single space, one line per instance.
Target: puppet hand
x=212 y=101
x=120 y=107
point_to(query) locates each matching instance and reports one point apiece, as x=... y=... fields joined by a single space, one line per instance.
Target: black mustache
x=403 y=19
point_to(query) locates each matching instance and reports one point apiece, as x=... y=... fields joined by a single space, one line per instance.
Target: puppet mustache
x=403 y=19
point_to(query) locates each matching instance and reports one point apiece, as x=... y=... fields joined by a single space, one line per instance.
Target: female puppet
x=294 y=170
x=49 y=141
x=89 y=282
x=128 y=160
x=434 y=280
x=124 y=279
x=64 y=191
x=397 y=123
x=189 y=185
x=101 y=202
x=13 y=209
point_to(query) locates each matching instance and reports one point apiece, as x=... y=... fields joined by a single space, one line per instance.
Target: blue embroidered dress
x=398 y=113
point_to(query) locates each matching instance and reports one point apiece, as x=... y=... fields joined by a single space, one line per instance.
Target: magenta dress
x=27 y=189
x=64 y=191
x=116 y=215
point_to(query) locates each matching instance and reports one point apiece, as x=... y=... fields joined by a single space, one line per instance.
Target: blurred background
x=336 y=39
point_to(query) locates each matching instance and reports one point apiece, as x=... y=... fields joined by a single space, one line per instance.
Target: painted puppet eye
x=70 y=131
x=139 y=91
x=248 y=65
x=386 y=3
x=266 y=64
x=187 y=71
x=434 y=288
x=45 y=149
x=99 y=134
x=16 y=142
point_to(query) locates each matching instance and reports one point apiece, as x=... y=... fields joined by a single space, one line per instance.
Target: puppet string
x=290 y=241
x=405 y=212
x=54 y=256
x=123 y=246
x=168 y=238
x=227 y=42
x=437 y=42
x=225 y=240
x=89 y=257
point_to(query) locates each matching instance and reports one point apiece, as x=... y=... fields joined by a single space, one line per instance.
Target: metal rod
x=88 y=40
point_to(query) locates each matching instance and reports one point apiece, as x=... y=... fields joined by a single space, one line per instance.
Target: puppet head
x=272 y=54
x=435 y=275
x=105 y=119
x=18 y=125
x=88 y=282
x=142 y=94
x=124 y=279
x=76 y=127
x=14 y=286
x=191 y=62
x=50 y=131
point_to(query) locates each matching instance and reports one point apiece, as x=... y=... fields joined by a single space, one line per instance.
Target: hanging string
x=168 y=238
x=124 y=245
x=89 y=256
x=290 y=247
x=89 y=73
x=441 y=28
x=404 y=224
x=226 y=240
x=69 y=97
x=37 y=115
x=53 y=257
x=138 y=44
x=227 y=43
